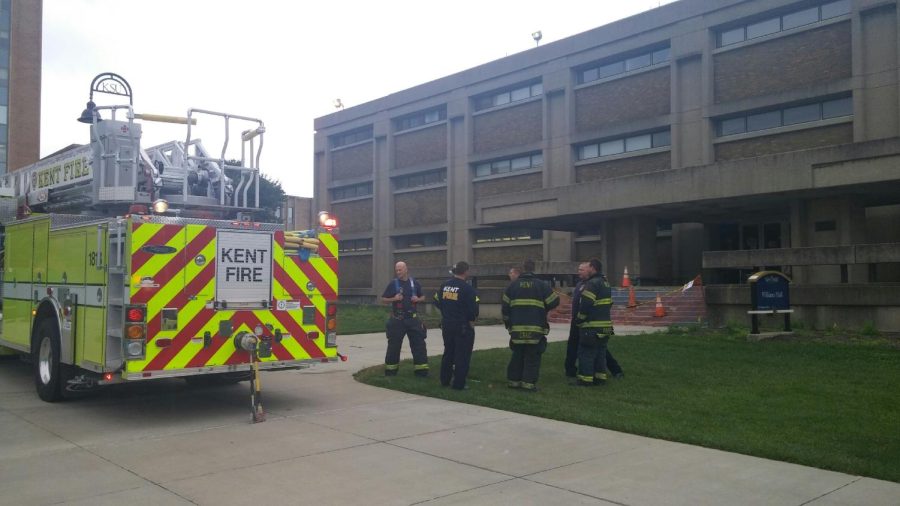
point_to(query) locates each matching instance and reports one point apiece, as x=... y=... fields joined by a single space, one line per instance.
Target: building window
x=345 y=139
x=488 y=235
x=787 y=21
x=621 y=145
x=510 y=95
x=432 y=177
x=351 y=191
x=290 y=215
x=420 y=118
x=621 y=66
x=509 y=165
x=420 y=240
x=806 y=113
x=663 y=228
x=353 y=245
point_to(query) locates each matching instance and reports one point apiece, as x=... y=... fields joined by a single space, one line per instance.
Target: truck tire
x=45 y=358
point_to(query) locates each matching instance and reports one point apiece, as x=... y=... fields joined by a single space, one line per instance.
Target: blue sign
x=770 y=290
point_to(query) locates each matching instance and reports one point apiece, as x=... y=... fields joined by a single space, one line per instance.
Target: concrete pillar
x=460 y=193
x=687 y=96
x=630 y=242
x=643 y=248
x=688 y=241
x=874 y=46
x=383 y=211
x=607 y=255
x=852 y=230
x=798 y=237
x=558 y=167
x=321 y=201
x=857 y=69
x=707 y=131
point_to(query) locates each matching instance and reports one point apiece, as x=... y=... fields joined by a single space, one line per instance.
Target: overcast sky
x=281 y=62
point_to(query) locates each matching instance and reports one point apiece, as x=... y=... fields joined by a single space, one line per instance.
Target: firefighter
x=526 y=302
x=458 y=304
x=594 y=322
x=572 y=346
x=403 y=293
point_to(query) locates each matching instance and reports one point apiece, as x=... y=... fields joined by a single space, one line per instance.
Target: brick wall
x=642 y=96
x=512 y=255
x=23 y=144
x=509 y=127
x=508 y=184
x=791 y=141
x=426 y=207
x=811 y=57
x=423 y=258
x=352 y=162
x=354 y=216
x=419 y=147
x=623 y=167
x=355 y=271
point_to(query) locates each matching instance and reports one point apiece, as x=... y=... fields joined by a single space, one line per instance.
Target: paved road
x=330 y=440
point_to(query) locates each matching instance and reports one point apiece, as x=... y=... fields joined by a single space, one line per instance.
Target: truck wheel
x=45 y=357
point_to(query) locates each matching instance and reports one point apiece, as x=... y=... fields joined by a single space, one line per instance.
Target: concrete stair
x=684 y=308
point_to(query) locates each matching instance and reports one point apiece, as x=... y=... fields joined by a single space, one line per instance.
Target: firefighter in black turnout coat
x=526 y=302
x=458 y=304
x=595 y=326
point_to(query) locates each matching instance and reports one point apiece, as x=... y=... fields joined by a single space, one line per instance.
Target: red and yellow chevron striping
x=173 y=267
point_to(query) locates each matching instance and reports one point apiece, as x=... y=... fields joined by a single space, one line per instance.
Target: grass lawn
x=827 y=403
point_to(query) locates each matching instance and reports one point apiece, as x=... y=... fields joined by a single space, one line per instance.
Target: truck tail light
x=135 y=314
x=331 y=325
x=135 y=332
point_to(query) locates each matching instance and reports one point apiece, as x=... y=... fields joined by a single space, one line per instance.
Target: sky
x=284 y=63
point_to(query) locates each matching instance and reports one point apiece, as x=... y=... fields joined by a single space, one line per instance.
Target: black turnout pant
x=592 y=355
x=396 y=330
x=525 y=363
x=459 y=338
x=572 y=355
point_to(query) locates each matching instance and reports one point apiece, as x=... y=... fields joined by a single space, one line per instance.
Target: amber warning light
x=327 y=221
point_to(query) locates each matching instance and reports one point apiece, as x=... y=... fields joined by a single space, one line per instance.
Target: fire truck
x=123 y=263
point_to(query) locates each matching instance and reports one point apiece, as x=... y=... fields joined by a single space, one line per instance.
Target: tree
x=271 y=195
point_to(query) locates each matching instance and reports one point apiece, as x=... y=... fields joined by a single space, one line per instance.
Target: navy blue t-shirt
x=409 y=288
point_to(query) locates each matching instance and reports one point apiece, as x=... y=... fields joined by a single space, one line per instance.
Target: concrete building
x=297 y=212
x=714 y=137
x=20 y=83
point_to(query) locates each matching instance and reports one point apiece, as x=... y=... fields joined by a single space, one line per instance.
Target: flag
x=687 y=286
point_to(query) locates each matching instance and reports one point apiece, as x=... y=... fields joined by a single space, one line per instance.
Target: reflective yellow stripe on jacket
x=527 y=302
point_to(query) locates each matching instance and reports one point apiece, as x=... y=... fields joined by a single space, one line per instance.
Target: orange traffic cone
x=660 y=310
x=626 y=281
x=631 y=300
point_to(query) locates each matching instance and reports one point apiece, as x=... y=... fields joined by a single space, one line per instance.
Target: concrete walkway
x=331 y=440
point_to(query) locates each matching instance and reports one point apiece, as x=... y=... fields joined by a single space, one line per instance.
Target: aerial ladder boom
x=113 y=171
